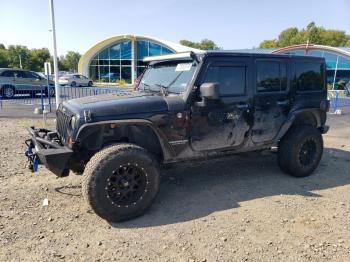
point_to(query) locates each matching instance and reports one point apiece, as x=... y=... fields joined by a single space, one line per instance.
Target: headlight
x=73 y=121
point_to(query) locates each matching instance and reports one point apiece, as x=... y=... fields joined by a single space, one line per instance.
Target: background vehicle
x=75 y=80
x=188 y=106
x=14 y=81
x=110 y=77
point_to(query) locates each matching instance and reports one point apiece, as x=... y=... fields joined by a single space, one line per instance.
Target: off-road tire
x=300 y=151
x=103 y=165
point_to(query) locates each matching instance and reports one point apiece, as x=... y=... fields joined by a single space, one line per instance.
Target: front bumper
x=43 y=148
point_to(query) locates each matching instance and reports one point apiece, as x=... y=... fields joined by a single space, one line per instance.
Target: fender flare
x=168 y=151
x=316 y=113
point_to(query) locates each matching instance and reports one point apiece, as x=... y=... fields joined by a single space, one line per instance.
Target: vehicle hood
x=107 y=106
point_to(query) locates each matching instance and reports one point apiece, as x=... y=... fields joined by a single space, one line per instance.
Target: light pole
x=20 y=61
x=55 y=62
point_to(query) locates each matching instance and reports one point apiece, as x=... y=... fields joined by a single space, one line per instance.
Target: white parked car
x=74 y=80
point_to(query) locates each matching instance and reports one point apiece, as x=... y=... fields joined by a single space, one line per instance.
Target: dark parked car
x=13 y=81
x=188 y=106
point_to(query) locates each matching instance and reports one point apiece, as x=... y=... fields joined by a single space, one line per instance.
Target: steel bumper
x=43 y=148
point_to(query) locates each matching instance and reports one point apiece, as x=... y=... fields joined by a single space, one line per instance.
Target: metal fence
x=45 y=97
x=338 y=99
x=39 y=96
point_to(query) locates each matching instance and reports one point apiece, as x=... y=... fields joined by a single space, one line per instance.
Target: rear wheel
x=8 y=92
x=73 y=84
x=90 y=83
x=121 y=182
x=300 y=151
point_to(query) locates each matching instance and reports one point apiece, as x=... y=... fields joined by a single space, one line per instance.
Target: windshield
x=168 y=77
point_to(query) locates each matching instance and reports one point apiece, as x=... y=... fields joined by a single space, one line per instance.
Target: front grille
x=62 y=124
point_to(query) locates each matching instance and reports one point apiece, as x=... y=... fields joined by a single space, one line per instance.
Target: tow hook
x=32 y=158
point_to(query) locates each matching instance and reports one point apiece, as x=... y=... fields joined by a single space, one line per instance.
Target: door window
x=20 y=74
x=231 y=79
x=271 y=76
x=31 y=75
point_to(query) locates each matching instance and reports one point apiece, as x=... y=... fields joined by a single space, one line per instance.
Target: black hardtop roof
x=262 y=55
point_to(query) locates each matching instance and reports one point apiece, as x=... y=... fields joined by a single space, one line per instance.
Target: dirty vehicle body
x=188 y=106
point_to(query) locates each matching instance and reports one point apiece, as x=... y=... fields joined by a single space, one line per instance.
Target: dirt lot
x=238 y=209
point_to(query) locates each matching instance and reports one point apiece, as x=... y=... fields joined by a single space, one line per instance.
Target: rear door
x=223 y=124
x=271 y=100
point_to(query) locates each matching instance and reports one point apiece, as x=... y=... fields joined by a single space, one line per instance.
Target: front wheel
x=121 y=182
x=90 y=83
x=300 y=151
x=8 y=92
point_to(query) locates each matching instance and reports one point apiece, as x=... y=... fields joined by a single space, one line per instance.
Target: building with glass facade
x=121 y=57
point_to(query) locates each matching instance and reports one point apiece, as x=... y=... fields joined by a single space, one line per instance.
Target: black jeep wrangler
x=187 y=106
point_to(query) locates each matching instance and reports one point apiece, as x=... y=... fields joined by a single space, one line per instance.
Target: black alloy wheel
x=127 y=185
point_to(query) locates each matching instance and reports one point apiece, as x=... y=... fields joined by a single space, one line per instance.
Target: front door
x=223 y=123
x=271 y=100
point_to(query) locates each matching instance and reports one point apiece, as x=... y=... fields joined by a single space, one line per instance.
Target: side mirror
x=208 y=91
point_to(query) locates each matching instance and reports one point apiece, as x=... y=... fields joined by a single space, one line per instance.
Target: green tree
x=205 y=44
x=37 y=58
x=268 y=44
x=70 y=61
x=4 y=61
x=14 y=54
x=288 y=37
x=312 y=34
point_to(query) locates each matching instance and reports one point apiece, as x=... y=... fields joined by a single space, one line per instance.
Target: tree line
x=312 y=34
x=33 y=59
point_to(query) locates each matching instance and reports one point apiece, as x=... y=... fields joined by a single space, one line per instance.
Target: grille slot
x=62 y=124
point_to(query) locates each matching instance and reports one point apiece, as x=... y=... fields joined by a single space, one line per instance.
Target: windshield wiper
x=146 y=85
x=163 y=89
x=175 y=79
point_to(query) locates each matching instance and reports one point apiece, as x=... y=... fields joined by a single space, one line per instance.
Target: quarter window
x=231 y=79
x=309 y=76
x=8 y=74
x=271 y=76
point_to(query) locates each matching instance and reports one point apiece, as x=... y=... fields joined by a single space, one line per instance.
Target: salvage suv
x=187 y=106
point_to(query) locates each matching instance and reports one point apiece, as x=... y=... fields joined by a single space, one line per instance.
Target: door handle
x=283 y=103
x=242 y=106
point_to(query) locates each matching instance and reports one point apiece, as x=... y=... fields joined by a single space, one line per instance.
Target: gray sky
x=231 y=24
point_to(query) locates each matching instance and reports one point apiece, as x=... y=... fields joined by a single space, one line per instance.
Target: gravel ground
x=237 y=209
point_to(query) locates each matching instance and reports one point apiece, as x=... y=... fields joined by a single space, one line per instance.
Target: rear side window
x=8 y=74
x=309 y=76
x=231 y=79
x=271 y=76
x=31 y=75
x=20 y=74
